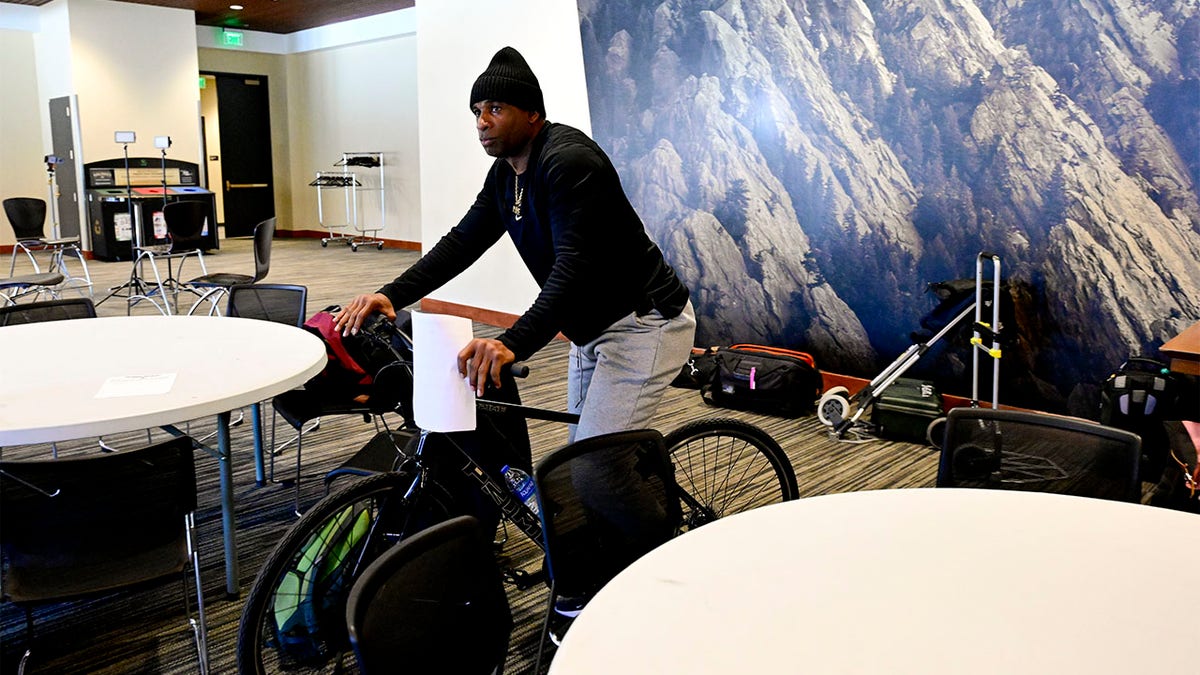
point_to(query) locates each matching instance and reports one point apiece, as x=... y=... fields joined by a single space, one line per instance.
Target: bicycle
x=723 y=466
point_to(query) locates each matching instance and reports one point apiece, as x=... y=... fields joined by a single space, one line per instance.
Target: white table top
x=51 y=373
x=907 y=581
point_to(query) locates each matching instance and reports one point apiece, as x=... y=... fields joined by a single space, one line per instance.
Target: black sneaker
x=557 y=629
x=568 y=606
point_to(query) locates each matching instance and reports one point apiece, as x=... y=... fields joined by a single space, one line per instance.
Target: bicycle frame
x=495 y=490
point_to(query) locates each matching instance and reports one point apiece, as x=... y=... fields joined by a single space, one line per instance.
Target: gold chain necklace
x=520 y=196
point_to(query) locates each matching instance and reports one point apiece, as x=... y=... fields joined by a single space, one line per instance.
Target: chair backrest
x=185 y=223
x=50 y=310
x=1023 y=450
x=281 y=303
x=70 y=527
x=27 y=215
x=435 y=603
x=264 y=234
x=605 y=501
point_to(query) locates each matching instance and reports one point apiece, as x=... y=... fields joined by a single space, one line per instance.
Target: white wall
x=455 y=41
x=357 y=98
x=134 y=68
x=22 y=173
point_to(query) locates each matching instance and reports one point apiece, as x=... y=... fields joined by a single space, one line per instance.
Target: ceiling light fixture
x=236 y=8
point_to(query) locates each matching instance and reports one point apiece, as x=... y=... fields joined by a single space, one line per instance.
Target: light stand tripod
x=135 y=286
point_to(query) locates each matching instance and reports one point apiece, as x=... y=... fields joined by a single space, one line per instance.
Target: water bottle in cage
x=521 y=485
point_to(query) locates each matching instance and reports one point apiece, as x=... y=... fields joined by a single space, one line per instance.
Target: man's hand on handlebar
x=351 y=318
x=483 y=359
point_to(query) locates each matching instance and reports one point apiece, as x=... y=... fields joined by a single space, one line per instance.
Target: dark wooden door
x=245 y=121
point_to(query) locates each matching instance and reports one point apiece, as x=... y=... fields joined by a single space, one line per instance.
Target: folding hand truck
x=835 y=406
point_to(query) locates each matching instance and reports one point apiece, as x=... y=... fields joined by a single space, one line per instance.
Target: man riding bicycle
x=604 y=283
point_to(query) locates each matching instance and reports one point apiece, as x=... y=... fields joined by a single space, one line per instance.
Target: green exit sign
x=231 y=38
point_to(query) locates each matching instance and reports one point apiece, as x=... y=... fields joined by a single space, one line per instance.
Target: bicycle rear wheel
x=294 y=617
x=727 y=466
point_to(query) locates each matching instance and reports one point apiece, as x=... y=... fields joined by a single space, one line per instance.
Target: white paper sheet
x=136 y=385
x=443 y=400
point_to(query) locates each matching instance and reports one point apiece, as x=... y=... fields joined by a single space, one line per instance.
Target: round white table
x=62 y=380
x=906 y=581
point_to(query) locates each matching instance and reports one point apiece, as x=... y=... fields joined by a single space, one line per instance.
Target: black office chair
x=27 y=215
x=51 y=310
x=1023 y=450
x=605 y=501
x=281 y=303
x=185 y=222
x=435 y=603
x=71 y=528
x=219 y=283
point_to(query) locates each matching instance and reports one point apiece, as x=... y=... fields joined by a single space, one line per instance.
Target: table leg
x=227 y=512
x=259 y=474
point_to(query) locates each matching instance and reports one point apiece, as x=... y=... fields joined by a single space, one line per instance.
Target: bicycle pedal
x=524 y=580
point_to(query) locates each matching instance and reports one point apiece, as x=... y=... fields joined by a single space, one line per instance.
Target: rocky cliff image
x=810 y=166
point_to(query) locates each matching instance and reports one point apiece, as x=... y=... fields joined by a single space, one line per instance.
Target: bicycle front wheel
x=294 y=617
x=727 y=466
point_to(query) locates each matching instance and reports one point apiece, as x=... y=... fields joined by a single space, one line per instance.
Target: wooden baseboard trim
x=488 y=316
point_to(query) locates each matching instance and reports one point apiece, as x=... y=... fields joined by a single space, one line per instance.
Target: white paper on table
x=136 y=385
x=443 y=400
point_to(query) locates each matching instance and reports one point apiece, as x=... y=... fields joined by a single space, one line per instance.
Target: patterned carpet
x=144 y=632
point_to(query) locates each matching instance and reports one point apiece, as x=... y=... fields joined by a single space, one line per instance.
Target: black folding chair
x=50 y=310
x=1037 y=452
x=75 y=527
x=219 y=283
x=605 y=501
x=435 y=603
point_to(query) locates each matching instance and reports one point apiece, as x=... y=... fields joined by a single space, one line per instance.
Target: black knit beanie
x=509 y=79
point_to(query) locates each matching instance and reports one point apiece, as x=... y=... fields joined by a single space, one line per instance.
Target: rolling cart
x=366 y=229
x=843 y=413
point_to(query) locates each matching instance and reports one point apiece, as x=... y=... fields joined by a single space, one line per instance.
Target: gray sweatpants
x=616 y=381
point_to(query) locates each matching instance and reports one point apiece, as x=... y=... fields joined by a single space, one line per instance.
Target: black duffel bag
x=767 y=380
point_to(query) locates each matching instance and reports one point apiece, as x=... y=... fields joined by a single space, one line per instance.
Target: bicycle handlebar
x=378 y=322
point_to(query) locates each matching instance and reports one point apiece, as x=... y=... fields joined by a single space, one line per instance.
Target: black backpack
x=1139 y=396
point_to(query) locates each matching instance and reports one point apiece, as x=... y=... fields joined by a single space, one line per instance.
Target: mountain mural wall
x=810 y=166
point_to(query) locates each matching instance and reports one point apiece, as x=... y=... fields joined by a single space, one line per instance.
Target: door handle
x=230 y=186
